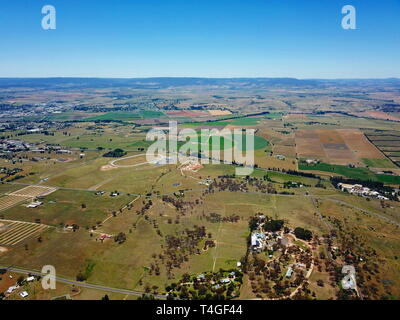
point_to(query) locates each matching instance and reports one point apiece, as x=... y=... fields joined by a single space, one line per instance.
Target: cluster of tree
x=179 y=204
x=273 y=225
x=301 y=174
x=44 y=132
x=117 y=153
x=216 y=218
x=209 y=244
x=209 y=287
x=120 y=238
x=9 y=172
x=303 y=234
x=146 y=206
x=230 y=183
x=84 y=275
x=179 y=247
x=254 y=223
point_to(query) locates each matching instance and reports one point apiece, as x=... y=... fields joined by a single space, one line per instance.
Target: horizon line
x=198 y=77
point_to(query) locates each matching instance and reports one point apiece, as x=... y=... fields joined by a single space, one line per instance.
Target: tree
x=120 y=238
x=273 y=225
x=253 y=223
x=117 y=153
x=20 y=280
x=303 y=234
x=80 y=277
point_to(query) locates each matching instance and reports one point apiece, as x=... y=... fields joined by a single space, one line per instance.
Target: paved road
x=82 y=284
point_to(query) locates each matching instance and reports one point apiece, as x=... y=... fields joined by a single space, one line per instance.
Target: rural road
x=113 y=162
x=376 y=215
x=82 y=284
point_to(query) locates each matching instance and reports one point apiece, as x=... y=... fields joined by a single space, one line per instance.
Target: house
x=289 y=272
x=257 y=241
x=206 y=182
x=64 y=151
x=312 y=161
x=34 y=204
x=382 y=197
x=30 y=279
x=24 y=294
x=201 y=277
x=12 y=288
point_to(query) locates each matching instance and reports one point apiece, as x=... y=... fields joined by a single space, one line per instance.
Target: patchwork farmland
x=14 y=232
x=22 y=195
x=388 y=142
x=339 y=146
x=122 y=223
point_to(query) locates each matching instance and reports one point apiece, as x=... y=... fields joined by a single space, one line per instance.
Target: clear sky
x=200 y=38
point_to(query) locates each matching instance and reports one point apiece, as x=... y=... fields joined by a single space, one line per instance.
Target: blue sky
x=204 y=38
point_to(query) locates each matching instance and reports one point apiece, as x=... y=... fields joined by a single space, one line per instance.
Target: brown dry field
x=275 y=137
x=335 y=146
x=308 y=145
x=359 y=144
x=219 y=112
x=273 y=162
x=288 y=151
x=187 y=113
x=295 y=116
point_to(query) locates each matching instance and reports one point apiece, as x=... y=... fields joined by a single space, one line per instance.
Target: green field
x=206 y=124
x=259 y=143
x=378 y=163
x=354 y=173
x=239 y=121
x=274 y=115
x=65 y=206
x=126 y=116
x=245 y=122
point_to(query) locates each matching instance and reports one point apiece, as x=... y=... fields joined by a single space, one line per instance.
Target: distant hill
x=160 y=83
x=153 y=83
